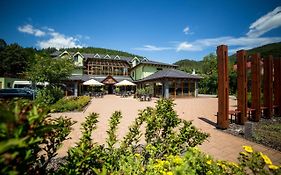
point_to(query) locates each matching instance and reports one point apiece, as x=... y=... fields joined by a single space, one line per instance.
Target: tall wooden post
x=277 y=85
x=268 y=86
x=223 y=99
x=242 y=85
x=256 y=86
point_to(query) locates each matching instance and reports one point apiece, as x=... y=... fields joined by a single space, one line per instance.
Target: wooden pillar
x=277 y=85
x=242 y=85
x=223 y=99
x=268 y=86
x=256 y=86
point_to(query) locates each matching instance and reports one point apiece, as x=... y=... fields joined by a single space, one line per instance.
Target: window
x=133 y=74
x=76 y=58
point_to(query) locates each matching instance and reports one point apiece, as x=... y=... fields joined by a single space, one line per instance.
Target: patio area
x=200 y=110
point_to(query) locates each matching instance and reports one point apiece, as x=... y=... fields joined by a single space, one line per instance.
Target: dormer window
x=107 y=56
x=97 y=56
x=135 y=61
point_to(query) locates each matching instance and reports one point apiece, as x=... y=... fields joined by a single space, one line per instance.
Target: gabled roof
x=170 y=73
x=107 y=56
x=156 y=63
x=97 y=56
x=78 y=53
x=63 y=53
x=117 y=57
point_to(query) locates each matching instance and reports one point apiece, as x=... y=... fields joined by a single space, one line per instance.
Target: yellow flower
x=209 y=162
x=178 y=160
x=169 y=173
x=248 y=149
x=273 y=167
x=266 y=159
x=219 y=164
x=137 y=155
x=243 y=153
x=233 y=164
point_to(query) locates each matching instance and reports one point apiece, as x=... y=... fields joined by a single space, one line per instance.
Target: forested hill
x=188 y=65
x=265 y=50
x=100 y=51
x=269 y=49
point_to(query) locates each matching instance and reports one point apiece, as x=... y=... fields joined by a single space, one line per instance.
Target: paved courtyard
x=200 y=110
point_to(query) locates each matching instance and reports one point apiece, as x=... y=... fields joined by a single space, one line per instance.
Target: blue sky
x=160 y=30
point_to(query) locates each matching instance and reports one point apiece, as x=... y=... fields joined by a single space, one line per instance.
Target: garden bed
x=70 y=104
x=266 y=132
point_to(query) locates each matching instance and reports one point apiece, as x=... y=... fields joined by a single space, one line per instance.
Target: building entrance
x=110 y=89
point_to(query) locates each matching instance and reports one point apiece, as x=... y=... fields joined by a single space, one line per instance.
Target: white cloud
x=55 y=39
x=186 y=30
x=266 y=23
x=58 y=41
x=252 y=39
x=185 y=46
x=31 y=30
x=152 y=48
x=241 y=42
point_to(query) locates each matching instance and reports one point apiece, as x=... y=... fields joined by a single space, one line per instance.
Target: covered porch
x=171 y=84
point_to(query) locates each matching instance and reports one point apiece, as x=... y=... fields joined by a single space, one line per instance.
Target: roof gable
x=78 y=53
x=97 y=56
x=117 y=57
x=63 y=53
x=107 y=56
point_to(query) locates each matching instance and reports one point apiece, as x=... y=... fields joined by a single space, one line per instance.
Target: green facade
x=144 y=70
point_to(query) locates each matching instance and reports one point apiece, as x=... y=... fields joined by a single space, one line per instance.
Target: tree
x=209 y=64
x=14 y=60
x=50 y=70
x=3 y=44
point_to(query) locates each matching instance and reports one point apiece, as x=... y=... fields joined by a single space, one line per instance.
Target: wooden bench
x=263 y=109
x=250 y=113
x=233 y=113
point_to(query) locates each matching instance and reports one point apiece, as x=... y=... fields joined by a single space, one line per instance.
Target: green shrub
x=29 y=138
x=70 y=104
x=49 y=95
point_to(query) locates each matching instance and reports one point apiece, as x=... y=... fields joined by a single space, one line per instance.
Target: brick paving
x=200 y=110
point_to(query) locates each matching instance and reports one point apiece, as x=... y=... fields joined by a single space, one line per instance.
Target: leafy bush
x=165 y=134
x=195 y=162
x=70 y=104
x=49 y=95
x=29 y=138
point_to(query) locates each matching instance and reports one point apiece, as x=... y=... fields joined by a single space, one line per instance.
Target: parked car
x=16 y=92
x=28 y=84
